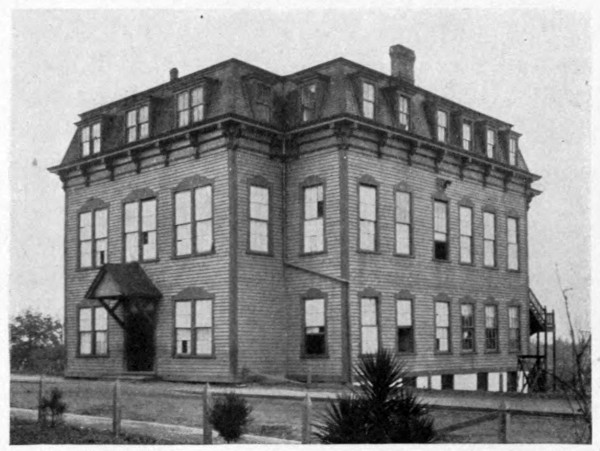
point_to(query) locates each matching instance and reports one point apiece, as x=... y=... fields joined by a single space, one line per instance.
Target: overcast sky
x=530 y=68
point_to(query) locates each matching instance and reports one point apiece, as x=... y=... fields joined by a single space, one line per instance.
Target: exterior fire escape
x=534 y=367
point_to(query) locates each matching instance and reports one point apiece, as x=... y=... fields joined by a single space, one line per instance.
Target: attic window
x=263 y=102
x=403 y=112
x=190 y=106
x=309 y=102
x=442 y=126
x=368 y=100
x=137 y=124
x=91 y=139
x=512 y=151
x=467 y=136
x=490 y=143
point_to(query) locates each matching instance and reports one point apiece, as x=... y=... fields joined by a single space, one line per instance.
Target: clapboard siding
x=425 y=278
x=170 y=275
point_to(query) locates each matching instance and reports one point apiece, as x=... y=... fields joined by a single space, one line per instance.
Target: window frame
x=405 y=297
x=190 y=106
x=512 y=245
x=469 y=141
x=447 y=232
x=493 y=240
x=140 y=251
x=260 y=183
x=472 y=327
x=138 y=124
x=369 y=294
x=93 y=333
x=312 y=295
x=92 y=208
x=265 y=103
x=493 y=146
x=512 y=151
x=368 y=182
x=403 y=191
x=403 y=114
x=463 y=235
x=442 y=128
x=310 y=183
x=512 y=348
x=193 y=328
x=496 y=329
x=191 y=184
x=364 y=100
x=305 y=106
x=436 y=347
x=94 y=142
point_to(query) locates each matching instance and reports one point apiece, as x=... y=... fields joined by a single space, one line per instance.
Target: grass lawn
x=27 y=433
x=166 y=403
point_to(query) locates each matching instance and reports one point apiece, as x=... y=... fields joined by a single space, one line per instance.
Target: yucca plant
x=230 y=415
x=381 y=410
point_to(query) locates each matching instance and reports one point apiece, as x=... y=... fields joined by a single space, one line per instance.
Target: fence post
x=117 y=408
x=306 y=419
x=308 y=377
x=40 y=395
x=504 y=423
x=206 y=426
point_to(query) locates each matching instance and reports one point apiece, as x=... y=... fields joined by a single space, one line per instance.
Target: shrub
x=381 y=410
x=230 y=415
x=55 y=405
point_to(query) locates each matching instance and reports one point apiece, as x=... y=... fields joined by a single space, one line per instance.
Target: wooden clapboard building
x=235 y=220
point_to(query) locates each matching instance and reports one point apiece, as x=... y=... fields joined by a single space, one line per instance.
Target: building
x=233 y=221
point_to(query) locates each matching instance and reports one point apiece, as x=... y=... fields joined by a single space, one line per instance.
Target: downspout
x=283 y=245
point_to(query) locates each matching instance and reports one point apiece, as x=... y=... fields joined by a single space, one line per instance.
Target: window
x=514 y=329
x=314 y=209
x=137 y=124
x=368 y=100
x=403 y=223
x=442 y=327
x=467 y=136
x=491 y=328
x=91 y=139
x=367 y=198
x=512 y=151
x=403 y=112
x=190 y=106
x=140 y=230
x=466 y=234
x=263 y=102
x=314 y=327
x=468 y=327
x=193 y=327
x=93 y=331
x=490 y=143
x=442 y=126
x=369 y=333
x=512 y=243
x=93 y=238
x=194 y=221
x=259 y=219
x=489 y=239
x=404 y=323
x=440 y=230
x=308 y=98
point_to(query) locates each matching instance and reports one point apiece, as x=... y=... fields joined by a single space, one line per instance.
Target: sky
x=528 y=67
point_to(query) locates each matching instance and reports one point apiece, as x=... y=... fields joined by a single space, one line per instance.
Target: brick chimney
x=403 y=63
x=174 y=74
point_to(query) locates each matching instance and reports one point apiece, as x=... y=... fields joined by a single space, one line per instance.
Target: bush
x=230 y=415
x=381 y=410
x=54 y=405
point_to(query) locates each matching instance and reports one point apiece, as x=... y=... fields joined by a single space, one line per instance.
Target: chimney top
x=403 y=63
x=174 y=74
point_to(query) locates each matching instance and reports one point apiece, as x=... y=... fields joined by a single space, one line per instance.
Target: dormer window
x=91 y=139
x=403 y=112
x=490 y=143
x=467 y=136
x=190 y=106
x=442 y=126
x=137 y=124
x=368 y=100
x=263 y=102
x=512 y=151
x=309 y=102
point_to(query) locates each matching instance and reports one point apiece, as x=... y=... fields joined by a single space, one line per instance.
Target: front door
x=139 y=337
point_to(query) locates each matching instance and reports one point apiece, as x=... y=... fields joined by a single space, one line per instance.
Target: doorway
x=139 y=337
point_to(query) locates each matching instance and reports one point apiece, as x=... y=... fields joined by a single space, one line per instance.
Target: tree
x=36 y=343
x=382 y=410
